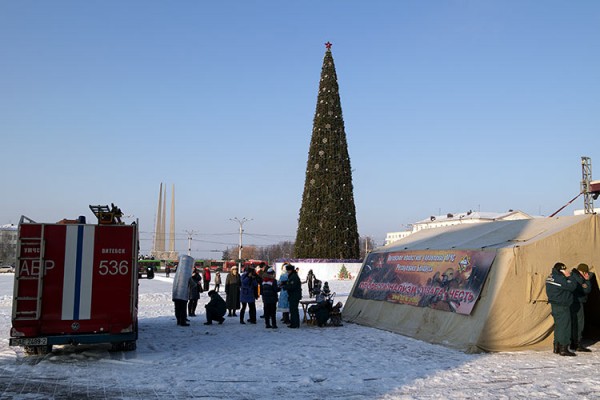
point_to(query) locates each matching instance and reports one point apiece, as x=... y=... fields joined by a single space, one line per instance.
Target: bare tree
x=248 y=252
x=268 y=253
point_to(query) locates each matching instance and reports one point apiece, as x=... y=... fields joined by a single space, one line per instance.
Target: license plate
x=38 y=341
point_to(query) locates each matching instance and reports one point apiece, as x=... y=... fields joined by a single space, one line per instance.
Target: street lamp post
x=241 y=222
x=190 y=233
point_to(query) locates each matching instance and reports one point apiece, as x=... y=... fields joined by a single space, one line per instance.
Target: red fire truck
x=75 y=283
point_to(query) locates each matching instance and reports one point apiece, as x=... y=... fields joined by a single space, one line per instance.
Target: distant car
x=6 y=268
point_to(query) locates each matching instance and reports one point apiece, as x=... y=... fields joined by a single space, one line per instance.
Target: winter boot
x=581 y=348
x=286 y=318
x=556 y=347
x=563 y=350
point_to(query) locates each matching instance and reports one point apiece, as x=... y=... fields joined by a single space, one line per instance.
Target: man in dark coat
x=582 y=277
x=215 y=309
x=559 y=289
x=233 y=283
x=268 y=291
x=294 y=290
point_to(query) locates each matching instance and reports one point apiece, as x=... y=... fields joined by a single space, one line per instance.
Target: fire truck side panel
x=115 y=276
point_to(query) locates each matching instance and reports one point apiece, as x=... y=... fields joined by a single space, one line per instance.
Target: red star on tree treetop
x=328 y=45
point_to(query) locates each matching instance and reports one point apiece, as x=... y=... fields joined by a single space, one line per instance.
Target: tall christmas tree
x=327 y=224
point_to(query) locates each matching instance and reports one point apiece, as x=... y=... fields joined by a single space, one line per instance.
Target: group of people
x=284 y=295
x=241 y=292
x=567 y=292
x=215 y=308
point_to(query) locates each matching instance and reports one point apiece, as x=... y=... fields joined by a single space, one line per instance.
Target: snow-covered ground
x=234 y=361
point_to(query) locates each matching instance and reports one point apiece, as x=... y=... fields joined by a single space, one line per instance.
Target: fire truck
x=76 y=283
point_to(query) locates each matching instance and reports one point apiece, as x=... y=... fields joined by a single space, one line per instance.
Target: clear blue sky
x=448 y=106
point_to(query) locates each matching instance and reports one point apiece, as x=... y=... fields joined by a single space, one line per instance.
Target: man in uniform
x=294 y=290
x=559 y=289
x=582 y=277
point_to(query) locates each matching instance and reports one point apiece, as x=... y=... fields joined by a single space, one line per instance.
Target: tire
x=123 y=346
x=116 y=346
x=129 y=346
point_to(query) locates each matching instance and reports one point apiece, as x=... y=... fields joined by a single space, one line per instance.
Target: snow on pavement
x=234 y=361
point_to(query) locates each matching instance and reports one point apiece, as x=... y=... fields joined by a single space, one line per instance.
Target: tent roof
x=488 y=235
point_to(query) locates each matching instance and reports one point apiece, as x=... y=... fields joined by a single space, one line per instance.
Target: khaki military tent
x=510 y=311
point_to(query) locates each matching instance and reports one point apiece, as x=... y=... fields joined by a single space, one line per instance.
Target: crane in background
x=589 y=189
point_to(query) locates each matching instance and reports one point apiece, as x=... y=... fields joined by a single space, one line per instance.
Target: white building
x=582 y=211
x=469 y=217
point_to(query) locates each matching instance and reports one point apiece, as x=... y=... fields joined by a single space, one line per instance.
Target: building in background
x=469 y=217
x=582 y=211
x=8 y=244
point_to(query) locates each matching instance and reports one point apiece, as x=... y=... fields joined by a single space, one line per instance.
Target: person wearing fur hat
x=233 y=283
x=268 y=292
x=581 y=275
x=559 y=289
x=294 y=290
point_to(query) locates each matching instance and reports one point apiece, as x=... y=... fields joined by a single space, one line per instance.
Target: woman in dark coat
x=232 y=291
x=310 y=280
x=194 y=293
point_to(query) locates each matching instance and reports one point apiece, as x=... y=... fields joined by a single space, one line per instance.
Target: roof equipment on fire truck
x=106 y=215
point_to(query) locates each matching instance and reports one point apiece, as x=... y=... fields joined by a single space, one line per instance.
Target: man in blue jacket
x=559 y=289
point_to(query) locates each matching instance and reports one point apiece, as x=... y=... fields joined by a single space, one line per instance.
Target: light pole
x=241 y=222
x=190 y=233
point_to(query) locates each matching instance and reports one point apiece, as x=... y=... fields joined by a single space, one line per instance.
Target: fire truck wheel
x=129 y=346
x=123 y=346
x=116 y=346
